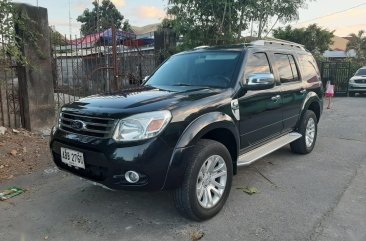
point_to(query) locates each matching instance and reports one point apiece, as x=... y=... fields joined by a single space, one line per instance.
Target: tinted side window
x=286 y=68
x=309 y=68
x=257 y=63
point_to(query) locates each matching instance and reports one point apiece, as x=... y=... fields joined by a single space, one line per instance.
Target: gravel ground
x=319 y=197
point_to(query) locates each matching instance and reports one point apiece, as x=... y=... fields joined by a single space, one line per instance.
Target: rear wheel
x=308 y=129
x=207 y=181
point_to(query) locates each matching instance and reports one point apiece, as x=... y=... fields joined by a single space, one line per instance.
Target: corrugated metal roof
x=339 y=54
x=145 y=29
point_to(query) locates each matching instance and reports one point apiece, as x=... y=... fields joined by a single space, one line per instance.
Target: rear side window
x=309 y=68
x=257 y=63
x=287 y=68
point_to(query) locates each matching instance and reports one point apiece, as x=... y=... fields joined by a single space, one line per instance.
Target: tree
x=203 y=22
x=102 y=17
x=314 y=38
x=57 y=38
x=12 y=23
x=358 y=43
x=278 y=10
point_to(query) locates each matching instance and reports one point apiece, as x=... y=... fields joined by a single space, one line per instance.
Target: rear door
x=260 y=110
x=293 y=89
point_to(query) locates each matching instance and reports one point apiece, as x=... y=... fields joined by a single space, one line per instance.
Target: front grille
x=360 y=81
x=91 y=126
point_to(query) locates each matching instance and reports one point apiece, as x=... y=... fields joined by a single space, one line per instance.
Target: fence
x=339 y=73
x=95 y=64
x=9 y=91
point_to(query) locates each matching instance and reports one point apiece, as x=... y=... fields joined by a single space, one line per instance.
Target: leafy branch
x=14 y=30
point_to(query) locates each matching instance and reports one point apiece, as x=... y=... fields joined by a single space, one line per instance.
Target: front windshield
x=201 y=69
x=361 y=72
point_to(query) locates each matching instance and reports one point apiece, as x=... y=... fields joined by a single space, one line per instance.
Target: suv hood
x=357 y=77
x=138 y=100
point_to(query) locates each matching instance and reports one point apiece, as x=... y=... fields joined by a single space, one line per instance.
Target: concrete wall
x=36 y=80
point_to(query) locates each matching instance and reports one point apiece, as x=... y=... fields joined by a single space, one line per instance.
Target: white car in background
x=357 y=84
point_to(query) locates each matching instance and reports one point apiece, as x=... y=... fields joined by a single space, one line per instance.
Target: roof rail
x=278 y=42
x=201 y=47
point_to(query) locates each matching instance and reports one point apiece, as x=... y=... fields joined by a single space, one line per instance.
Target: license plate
x=72 y=158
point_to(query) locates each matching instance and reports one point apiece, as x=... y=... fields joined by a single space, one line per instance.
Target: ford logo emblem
x=77 y=125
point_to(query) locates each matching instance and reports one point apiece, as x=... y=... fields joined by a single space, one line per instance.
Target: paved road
x=321 y=196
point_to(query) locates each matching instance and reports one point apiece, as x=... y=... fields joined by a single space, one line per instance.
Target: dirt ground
x=22 y=152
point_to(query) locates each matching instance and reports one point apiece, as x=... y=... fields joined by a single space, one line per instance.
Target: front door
x=260 y=110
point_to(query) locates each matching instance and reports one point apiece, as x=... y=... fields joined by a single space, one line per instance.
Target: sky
x=329 y=14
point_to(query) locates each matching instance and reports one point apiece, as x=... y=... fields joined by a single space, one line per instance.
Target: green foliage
x=355 y=65
x=358 y=43
x=280 y=10
x=202 y=22
x=314 y=38
x=102 y=17
x=57 y=38
x=9 y=49
x=14 y=29
x=127 y=26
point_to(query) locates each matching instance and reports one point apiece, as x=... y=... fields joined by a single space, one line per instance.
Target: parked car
x=357 y=84
x=193 y=122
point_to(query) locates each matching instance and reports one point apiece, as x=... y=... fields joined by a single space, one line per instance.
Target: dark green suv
x=195 y=120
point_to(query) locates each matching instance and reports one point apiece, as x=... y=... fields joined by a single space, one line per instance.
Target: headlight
x=142 y=126
x=351 y=81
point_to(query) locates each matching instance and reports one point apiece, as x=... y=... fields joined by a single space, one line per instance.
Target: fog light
x=132 y=176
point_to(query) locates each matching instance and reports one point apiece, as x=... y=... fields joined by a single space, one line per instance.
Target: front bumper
x=106 y=161
x=359 y=88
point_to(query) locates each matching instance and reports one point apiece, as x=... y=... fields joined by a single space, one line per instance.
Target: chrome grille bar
x=91 y=126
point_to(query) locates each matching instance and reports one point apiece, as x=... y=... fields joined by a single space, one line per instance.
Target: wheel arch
x=312 y=102
x=216 y=126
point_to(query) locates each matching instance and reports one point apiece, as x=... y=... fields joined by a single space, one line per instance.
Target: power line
x=331 y=14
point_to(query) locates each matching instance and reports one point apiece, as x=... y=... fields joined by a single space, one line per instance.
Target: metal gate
x=339 y=73
x=9 y=91
x=86 y=66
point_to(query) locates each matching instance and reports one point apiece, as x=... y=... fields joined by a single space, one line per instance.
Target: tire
x=186 y=197
x=352 y=94
x=302 y=146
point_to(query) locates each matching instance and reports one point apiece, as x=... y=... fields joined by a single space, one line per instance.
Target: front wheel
x=308 y=129
x=207 y=181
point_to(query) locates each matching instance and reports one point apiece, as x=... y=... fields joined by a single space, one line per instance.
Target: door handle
x=303 y=91
x=276 y=98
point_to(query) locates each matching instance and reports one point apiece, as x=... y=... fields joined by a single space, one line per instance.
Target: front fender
x=204 y=124
x=191 y=135
x=310 y=98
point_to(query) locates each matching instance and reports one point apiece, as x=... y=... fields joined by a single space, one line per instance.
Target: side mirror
x=260 y=81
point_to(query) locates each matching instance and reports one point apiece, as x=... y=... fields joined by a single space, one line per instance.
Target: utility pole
x=97 y=16
x=70 y=18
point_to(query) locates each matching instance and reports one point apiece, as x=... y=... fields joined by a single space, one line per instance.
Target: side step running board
x=253 y=155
